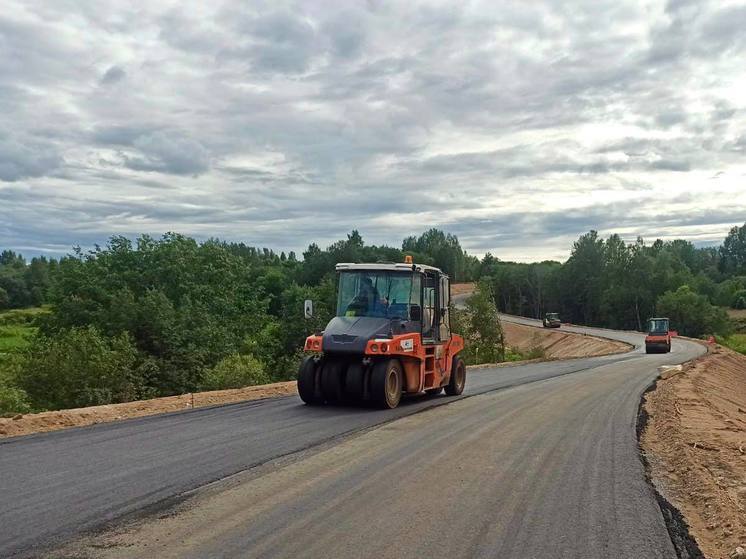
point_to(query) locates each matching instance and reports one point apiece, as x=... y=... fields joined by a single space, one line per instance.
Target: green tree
x=446 y=253
x=581 y=279
x=692 y=314
x=733 y=252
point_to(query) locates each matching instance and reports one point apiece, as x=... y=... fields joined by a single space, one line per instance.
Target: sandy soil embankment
x=695 y=444
x=557 y=344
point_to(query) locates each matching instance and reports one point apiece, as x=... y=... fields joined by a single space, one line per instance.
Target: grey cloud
x=279 y=41
x=119 y=135
x=668 y=165
x=155 y=150
x=531 y=228
x=113 y=75
x=670 y=118
x=168 y=153
x=25 y=159
x=346 y=33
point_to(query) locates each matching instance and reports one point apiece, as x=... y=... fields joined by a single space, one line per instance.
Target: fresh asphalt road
x=545 y=458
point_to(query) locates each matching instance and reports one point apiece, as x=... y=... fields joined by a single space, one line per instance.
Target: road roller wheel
x=308 y=386
x=354 y=381
x=331 y=381
x=458 y=378
x=386 y=383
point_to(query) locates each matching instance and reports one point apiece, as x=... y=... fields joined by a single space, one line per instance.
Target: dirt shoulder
x=695 y=445
x=556 y=344
x=54 y=420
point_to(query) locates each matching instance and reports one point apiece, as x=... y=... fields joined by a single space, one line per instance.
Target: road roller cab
x=391 y=335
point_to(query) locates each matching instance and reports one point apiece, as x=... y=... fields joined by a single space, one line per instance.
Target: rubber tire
x=434 y=391
x=383 y=394
x=331 y=381
x=307 y=384
x=457 y=382
x=354 y=381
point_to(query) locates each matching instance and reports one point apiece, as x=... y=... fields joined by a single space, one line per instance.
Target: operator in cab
x=366 y=301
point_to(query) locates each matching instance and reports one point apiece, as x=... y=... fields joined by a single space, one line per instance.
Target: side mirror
x=415 y=313
x=308 y=309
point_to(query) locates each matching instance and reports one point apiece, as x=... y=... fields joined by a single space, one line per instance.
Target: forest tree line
x=614 y=284
x=156 y=317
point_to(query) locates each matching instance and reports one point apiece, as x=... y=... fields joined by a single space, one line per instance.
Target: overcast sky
x=515 y=125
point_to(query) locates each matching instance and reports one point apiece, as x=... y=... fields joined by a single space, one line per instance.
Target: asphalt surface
x=543 y=463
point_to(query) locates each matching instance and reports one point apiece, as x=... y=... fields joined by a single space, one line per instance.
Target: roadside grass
x=513 y=354
x=736 y=342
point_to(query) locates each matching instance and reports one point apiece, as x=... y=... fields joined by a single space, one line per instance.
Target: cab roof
x=388 y=267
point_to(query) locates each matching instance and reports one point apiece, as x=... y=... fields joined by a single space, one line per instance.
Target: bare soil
x=695 y=444
x=54 y=420
x=556 y=344
x=463 y=288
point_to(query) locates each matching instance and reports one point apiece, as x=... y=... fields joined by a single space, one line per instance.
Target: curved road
x=538 y=460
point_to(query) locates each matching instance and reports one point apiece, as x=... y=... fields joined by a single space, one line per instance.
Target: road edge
x=684 y=543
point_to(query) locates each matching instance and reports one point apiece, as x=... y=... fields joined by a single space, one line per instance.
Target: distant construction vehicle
x=552 y=320
x=392 y=335
x=658 y=339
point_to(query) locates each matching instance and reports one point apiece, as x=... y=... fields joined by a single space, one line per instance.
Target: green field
x=736 y=342
x=13 y=338
x=17 y=326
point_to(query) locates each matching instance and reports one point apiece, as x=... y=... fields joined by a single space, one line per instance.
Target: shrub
x=235 y=371
x=13 y=400
x=80 y=367
x=480 y=326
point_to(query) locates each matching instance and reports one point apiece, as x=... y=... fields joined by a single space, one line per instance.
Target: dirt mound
x=463 y=288
x=556 y=344
x=695 y=443
x=54 y=420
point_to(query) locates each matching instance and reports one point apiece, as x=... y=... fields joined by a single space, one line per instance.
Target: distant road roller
x=659 y=336
x=391 y=336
